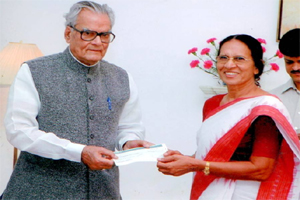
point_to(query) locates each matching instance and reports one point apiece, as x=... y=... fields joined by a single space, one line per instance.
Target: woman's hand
x=172 y=152
x=176 y=164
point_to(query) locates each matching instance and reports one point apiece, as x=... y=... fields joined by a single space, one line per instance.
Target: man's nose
x=296 y=66
x=97 y=40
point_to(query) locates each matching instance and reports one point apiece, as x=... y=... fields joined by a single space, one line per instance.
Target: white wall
x=152 y=40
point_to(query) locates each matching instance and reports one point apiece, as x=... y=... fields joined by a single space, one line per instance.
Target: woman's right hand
x=172 y=152
x=176 y=164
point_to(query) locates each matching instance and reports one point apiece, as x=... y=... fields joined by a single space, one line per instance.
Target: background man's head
x=289 y=44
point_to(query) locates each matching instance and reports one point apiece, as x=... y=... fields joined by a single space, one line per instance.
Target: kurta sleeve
x=22 y=128
x=130 y=124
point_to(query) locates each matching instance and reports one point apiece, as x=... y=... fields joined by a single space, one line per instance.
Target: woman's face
x=235 y=64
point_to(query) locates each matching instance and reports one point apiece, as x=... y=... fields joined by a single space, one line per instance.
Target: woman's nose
x=230 y=63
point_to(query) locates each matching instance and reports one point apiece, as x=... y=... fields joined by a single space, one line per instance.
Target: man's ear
x=67 y=34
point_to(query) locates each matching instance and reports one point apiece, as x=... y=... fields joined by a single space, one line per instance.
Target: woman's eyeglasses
x=239 y=60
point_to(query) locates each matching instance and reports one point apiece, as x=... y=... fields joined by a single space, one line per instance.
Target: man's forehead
x=88 y=17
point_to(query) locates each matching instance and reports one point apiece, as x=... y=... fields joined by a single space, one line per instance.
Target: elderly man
x=289 y=93
x=69 y=111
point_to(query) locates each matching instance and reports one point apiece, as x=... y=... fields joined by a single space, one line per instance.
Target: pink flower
x=211 y=40
x=208 y=64
x=279 y=54
x=274 y=67
x=205 y=51
x=194 y=63
x=262 y=41
x=264 y=49
x=193 y=50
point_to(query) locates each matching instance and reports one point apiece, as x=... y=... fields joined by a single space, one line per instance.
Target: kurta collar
x=73 y=63
x=81 y=62
x=289 y=85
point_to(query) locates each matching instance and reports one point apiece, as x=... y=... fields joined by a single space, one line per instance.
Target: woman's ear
x=256 y=71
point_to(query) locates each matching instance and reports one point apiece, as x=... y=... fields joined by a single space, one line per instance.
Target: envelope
x=140 y=154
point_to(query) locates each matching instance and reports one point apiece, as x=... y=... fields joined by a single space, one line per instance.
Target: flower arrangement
x=207 y=59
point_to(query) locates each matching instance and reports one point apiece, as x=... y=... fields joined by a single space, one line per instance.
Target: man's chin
x=93 y=60
x=296 y=79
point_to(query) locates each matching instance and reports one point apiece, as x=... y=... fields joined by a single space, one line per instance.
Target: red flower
x=208 y=64
x=262 y=41
x=279 y=54
x=205 y=51
x=193 y=50
x=211 y=40
x=264 y=49
x=194 y=63
x=274 y=67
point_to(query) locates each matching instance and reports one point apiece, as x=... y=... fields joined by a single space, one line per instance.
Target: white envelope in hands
x=140 y=154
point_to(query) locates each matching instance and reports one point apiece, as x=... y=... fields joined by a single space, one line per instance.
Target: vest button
x=92 y=136
x=92 y=117
x=89 y=80
x=91 y=98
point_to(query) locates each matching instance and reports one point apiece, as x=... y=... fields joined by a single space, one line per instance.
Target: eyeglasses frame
x=232 y=58
x=97 y=34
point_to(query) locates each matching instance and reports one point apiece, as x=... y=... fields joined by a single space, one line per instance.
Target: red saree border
x=233 y=102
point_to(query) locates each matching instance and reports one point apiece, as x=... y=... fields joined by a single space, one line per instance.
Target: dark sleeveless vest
x=73 y=106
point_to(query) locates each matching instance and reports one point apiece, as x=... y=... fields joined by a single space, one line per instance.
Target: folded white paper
x=140 y=154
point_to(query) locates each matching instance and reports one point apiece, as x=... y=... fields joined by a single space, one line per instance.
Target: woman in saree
x=247 y=148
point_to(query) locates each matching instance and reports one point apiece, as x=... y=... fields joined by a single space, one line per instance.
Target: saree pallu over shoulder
x=220 y=135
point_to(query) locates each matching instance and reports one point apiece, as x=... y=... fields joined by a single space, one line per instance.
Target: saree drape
x=221 y=133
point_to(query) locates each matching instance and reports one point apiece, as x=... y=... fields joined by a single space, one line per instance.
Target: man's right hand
x=97 y=158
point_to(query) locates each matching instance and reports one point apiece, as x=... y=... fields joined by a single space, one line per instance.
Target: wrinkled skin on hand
x=98 y=158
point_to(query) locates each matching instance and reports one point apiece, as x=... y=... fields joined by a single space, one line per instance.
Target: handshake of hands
x=170 y=163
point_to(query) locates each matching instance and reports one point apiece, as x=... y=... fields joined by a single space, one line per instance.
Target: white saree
x=218 y=138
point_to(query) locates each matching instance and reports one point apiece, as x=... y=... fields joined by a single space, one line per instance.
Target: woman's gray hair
x=71 y=17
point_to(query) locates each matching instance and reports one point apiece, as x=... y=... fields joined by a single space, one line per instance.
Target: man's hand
x=97 y=158
x=136 y=143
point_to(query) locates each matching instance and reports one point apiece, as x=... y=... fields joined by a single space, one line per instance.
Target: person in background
x=68 y=112
x=247 y=147
x=289 y=92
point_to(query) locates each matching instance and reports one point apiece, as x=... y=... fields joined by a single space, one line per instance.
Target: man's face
x=292 y=65
x=88 y=52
